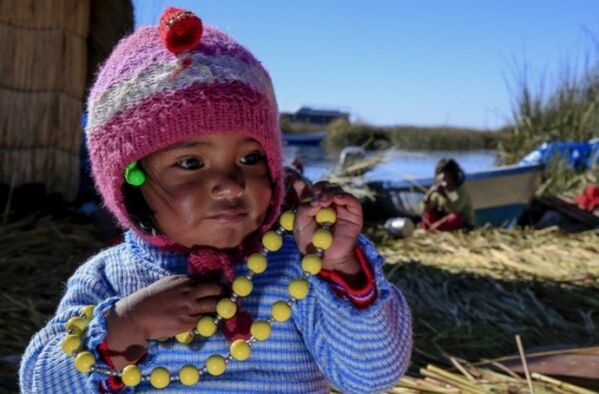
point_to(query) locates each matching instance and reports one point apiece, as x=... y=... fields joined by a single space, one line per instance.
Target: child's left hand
x=340 y=256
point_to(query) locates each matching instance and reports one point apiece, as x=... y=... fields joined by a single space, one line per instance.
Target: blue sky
x=428 y=62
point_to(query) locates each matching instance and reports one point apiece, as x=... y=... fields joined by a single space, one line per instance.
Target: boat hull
x=499 y=196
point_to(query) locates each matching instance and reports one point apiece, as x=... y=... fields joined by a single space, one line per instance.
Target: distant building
x=314 y=116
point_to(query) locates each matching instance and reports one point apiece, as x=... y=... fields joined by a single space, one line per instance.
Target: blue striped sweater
x=328 y=341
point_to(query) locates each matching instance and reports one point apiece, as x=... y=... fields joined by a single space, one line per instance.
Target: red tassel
x=180 y=30
x=238 y=327
x=210 y=263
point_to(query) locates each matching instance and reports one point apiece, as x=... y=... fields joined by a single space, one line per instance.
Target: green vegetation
x=298 y=127
x=569 y=112
x=559 y=179
x=342 y=133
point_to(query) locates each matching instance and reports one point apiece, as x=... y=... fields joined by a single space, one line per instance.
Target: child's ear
x=139 y=211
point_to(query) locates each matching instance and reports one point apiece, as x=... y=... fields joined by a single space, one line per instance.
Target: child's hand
x=340 y=256
x=170 y=306
x=167 y=307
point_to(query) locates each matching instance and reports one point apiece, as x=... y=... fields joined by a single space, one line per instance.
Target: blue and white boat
x=575 y=154
x=499 y=195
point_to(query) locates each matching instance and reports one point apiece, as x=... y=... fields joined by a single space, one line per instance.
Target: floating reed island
x=470 y=294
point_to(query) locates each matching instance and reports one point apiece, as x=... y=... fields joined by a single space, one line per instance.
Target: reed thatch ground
x=471 y=293
x=37 y=257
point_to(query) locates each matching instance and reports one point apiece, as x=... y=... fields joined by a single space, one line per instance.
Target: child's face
x=446 y=177
x=209 y=191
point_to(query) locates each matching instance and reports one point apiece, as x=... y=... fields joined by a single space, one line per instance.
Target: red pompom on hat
x=180 y=30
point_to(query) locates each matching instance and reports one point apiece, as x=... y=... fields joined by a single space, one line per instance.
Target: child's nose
x=228 y=185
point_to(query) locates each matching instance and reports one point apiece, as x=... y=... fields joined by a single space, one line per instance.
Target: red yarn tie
x=212 y=263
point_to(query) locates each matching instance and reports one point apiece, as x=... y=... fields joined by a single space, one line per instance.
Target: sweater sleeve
x=455 y=201
x=359 y=350
x=361 y=296
x=45 y=368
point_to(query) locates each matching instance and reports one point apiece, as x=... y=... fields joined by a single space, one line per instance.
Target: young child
x=447 y=204
x=186 y=152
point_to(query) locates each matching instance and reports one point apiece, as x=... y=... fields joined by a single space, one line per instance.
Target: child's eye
x=252 y=158
x=190 y=164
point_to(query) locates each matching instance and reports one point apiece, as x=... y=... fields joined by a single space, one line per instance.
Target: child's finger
x=204 y=305
x=306 y=213
x=302 y=189
x=319 y=187
x=208 y=290
x=349 y=201
x=348 y=216
x=327 y=195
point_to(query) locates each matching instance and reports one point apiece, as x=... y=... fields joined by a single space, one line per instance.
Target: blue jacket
x=327 y=341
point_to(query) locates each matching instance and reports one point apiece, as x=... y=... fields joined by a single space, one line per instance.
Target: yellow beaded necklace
x=226 y=308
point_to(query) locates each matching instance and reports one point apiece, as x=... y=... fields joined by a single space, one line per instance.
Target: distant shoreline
x=341 y=133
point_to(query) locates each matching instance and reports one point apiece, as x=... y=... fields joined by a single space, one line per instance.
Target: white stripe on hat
x=163 y=78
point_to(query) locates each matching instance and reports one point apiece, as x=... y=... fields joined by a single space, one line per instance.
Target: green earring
x=134 y=175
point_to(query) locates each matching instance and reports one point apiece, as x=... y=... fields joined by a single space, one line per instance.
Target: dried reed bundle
x=42 y=83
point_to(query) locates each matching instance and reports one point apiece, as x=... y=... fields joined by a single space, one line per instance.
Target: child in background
x=447 y=204
x=186 y=152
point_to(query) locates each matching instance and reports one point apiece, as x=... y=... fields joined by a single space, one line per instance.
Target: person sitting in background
x=447 y=204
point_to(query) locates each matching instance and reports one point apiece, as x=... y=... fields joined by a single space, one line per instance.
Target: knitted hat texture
x=153 y=93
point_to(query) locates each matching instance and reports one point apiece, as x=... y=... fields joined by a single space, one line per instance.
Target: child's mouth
x=229 y=215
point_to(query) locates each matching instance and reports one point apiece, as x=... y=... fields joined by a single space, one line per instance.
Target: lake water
x=398 y=164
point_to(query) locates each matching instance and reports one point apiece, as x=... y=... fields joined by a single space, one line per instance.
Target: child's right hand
x=170 y=305
x=167 y=307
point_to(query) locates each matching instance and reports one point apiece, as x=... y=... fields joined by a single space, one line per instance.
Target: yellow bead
x=260 y=329
x=189 y=375
x=88 y=311
x=206 y=326
x=184 y=337
x=76 y=324
x=131 y=375
x=257 y=263
x=240 y=350
x=272 y=241
x=160 y=378
x=84 y=361
x=281 y=311
x=286 y=220
x=71 y=343
x=323 y=239
x=215 y=365
x=298 y=288
x=312 y=264
x=242 y=286
x=226 y=308
x=326 y=215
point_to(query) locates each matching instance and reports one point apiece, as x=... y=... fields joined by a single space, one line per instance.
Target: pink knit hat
x=168 y=83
